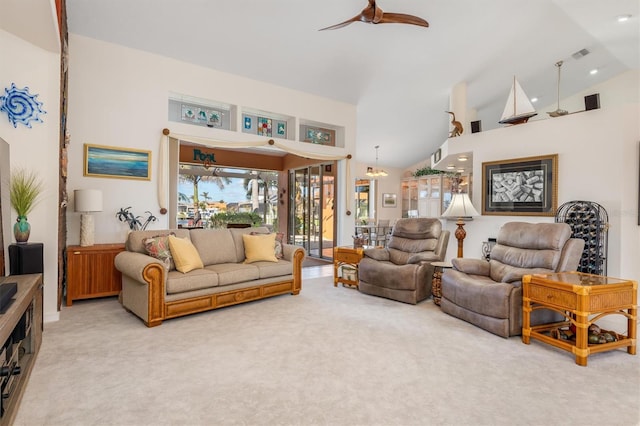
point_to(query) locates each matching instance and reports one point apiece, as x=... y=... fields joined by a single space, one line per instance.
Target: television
x=5 y=207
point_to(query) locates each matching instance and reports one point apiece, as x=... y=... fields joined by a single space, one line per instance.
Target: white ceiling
x=32 y=20
x=399 y=76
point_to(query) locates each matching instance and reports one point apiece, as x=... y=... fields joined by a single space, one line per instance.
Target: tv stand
x=20 y=339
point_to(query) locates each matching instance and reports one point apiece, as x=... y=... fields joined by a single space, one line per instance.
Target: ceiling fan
x=372 y=14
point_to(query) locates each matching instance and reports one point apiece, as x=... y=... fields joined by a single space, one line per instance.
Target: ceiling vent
x=580 y=54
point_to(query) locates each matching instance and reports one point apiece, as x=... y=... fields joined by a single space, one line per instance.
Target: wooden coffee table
x=582 y=299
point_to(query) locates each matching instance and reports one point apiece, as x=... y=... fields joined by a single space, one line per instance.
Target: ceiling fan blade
x=367 y=15
x=342 y=24
x=372 y=14
x=401 y=18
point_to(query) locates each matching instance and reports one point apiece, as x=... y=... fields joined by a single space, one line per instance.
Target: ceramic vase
x=21 y=230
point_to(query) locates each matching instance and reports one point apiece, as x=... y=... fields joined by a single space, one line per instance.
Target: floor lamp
x=87 y=201
x=459 y=208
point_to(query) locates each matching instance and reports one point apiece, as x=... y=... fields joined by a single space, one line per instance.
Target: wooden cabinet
x=20 y=340
x=91 y=272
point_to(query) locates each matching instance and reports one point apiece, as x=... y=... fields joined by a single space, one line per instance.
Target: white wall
x=384 y=185
x=36 y=148
x=119 y=97
x=598 y=161
x=621 y=89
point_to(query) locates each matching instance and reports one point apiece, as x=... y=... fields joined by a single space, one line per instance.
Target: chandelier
x=375 y=172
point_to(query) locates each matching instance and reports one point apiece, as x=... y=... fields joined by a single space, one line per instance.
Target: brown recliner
x=489 y=294
x=402 y=271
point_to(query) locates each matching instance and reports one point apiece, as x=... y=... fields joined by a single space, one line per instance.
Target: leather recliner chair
x=489 y=294
x=402 y=271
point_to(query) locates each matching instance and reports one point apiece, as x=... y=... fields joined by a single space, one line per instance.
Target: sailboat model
x=518 y=109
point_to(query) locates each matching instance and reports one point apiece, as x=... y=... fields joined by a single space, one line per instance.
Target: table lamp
x=460 y=207
x=87 y=201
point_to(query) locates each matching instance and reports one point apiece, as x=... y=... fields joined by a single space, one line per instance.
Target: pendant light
x=376 y=172
x=558 y=112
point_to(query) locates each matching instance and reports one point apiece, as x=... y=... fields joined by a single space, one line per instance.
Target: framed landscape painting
x=522 y=186
x=114 y=162
x=389 y=200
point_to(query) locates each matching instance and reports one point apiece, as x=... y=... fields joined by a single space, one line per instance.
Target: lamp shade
x=88 y=200
x=460 y=206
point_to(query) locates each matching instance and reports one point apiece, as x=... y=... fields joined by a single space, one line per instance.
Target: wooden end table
x=346 y=255
x=436 y=283
x=582 y=299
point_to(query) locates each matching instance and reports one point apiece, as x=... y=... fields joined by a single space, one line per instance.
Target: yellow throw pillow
x=184 y=254
x=259 y=247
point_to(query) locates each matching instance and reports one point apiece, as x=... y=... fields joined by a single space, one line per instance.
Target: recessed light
x=623 y=18
x=534 y=100
x=462 y=158
x=594 y=71
x=460 y=170
x=451 y=167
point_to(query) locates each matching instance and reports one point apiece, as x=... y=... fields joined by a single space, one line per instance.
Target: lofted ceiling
x=399 y=76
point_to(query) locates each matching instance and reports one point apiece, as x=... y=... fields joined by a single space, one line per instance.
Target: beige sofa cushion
x=177 y=282
x=231 y=273
x=274 y=269
x=214 y=245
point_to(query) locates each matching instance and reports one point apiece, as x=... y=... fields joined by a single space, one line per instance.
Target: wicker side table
x=436 y=284
x=346 y=256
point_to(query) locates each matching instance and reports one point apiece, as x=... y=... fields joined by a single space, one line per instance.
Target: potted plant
x=24 y=192
x=425 y=171
x=134 y=222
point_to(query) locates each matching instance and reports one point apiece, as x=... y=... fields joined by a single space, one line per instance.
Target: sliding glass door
x=311 y=208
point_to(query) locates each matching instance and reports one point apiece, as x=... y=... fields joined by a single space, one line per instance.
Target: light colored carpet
x=327 y=356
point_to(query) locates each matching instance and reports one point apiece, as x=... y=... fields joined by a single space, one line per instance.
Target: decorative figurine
x=457 y=126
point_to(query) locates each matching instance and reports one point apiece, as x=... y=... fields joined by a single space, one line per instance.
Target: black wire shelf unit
x=589 y=221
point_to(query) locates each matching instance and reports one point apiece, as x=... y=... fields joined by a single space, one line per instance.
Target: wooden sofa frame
x=160 y=309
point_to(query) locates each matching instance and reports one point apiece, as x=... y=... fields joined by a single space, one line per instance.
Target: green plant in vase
x=24 y=192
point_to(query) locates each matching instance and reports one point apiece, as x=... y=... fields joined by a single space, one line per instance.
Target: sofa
x=402 y=271
x=489 y=294
x=171 y=273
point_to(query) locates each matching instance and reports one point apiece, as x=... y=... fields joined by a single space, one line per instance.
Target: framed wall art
x=437 y=156
x=317 y=135
x=521 y=186
x=389 y=200
x=114 y=162
x=264 y=126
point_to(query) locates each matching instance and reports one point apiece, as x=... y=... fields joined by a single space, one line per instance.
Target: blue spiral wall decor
x=21 y=106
